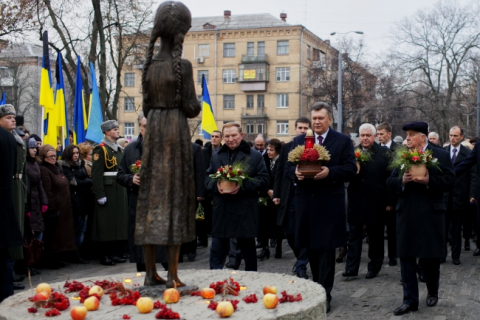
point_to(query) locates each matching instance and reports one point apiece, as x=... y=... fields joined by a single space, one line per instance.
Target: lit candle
x=76 y=298
x=234 y=272
x=243 y=288
x=128 y=280
x=291 y=281
x=309 y=139
x=139 y=274
x=207 y=302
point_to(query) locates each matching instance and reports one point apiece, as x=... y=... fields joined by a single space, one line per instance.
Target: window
x=250 y=128
x=199 y=129
x=260 y=101
x=283 y=74
x=282 y=47
x=250 y=49
x=203 y=50
x=309 y=76
x=282 y=127
x=229 y=49
x=250 y=101
x=129 y=130
x=309 y=53
x=129 y=104
x=229 y=76
x=282 y=100
x=228 y=102
x=200 y=74
x=260 y=48
x=129 y=80
x=260 y=127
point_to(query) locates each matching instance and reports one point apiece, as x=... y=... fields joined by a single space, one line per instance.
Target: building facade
x=257 y=72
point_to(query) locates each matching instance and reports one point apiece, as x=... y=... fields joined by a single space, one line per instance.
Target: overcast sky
x=375 y=18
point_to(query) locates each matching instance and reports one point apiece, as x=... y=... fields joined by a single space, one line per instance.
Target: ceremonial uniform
x=110 y=219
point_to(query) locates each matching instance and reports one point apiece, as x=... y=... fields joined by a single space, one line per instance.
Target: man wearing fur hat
x=110 y=219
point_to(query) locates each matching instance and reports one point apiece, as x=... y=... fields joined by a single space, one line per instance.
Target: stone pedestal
x=313 y=305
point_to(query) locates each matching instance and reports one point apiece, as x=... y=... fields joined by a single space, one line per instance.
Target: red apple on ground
x=42 y=296
x=92 y=303
x=270 y=301
x=45 y=287
x=145 y=305
x=225 y=309
x=270 y=289
x=96 y=289
x=171 y=295
x=78 y=313
x=207 y=293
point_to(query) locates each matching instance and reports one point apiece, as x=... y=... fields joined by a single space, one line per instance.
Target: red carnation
x=415 y=158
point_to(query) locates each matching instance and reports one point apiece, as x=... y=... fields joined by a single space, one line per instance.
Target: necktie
x=320 y=140
x=385 y=146
x=454 y=157
x=272 y=164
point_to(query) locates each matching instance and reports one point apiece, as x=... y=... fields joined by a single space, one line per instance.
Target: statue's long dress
x=166 y=200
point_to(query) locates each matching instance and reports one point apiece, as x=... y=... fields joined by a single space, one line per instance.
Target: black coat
x=81 y=194
x=465 y=184
x=421 y=210
x=236 y=216
x=36 y=196
x=133 y=152
x=199 y=170
x=282 y=185
x=268 y=213
x=10 y=235
x=320 y=217
x=367 y=192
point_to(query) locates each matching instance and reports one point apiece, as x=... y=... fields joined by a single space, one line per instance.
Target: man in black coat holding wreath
x=421 y=219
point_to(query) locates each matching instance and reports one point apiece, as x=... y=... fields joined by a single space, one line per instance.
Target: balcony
x=254 y=59
x=252 y=114
x=253 y=76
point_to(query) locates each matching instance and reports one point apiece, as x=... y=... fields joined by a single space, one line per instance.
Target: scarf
x=112 y=145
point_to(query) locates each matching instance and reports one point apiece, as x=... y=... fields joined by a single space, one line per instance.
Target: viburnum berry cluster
x=32 y=310
x=196 y=293
x=289 y=298
x=158 y=305
x=165 y=313
x=127 y=298
x=83 y=294
x=105 y=284
x=225 y=287
x=52 y=313
x=234 y=303
x=126 y=316
x=309 y=155
x=251 y=298
x=58 y=301
x=213 y=304
x=73 y=286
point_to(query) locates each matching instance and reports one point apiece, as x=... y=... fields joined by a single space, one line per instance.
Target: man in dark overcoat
x=284 y=197
x=320 y=216
x=110 y=218
x=421 y=219
x=384 y=134
x=367 y=200
x=133 y=152
x=235 y=215
x=10 y=235
x=458 y=200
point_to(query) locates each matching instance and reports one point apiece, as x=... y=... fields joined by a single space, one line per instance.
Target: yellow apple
x=96 y=289
x=269 y=289
x=45 y=287
x=145 y=305
x=41 y=297
x=78 y=313
x=92 y=303
x=270 y=300
x=171 y=295
x=207 y=293
x=225 y=309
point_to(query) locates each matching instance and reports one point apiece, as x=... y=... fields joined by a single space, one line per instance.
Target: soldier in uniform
x=110 y=218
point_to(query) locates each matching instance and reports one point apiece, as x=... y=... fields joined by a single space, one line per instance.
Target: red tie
x=320 y=140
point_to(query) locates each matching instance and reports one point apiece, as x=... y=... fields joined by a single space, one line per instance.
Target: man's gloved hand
x=102 y=201
x=44 y=208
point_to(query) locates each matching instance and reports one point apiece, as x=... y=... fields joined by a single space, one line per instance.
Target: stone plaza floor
x=353 y=298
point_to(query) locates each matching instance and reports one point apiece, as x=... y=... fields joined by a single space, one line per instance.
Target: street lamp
x=340 y=60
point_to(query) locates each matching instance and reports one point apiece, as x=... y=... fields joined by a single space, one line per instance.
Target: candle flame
x=309 y=132
x=139 y=274
x=207 y=302
x=76 y=298
x=234 y=272
x=128 y=280
x=243 y=288
x=291 y=281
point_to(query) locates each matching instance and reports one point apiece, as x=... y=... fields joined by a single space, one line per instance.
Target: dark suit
x=392 y=215
x=421 y=225
x=320 y=207
x=458 y=202
x=284 y=189
x=367 y=200
x=267 y=223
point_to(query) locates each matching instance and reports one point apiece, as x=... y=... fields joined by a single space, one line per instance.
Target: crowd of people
x=80 y=203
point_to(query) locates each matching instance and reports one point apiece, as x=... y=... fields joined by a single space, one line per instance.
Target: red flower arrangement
x=309 y=155
x=136 y=167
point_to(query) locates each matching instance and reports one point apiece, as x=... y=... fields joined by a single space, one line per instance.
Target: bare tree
x=17 y=16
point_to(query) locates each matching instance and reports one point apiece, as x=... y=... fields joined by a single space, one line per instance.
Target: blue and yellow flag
x=4 y=99
x=208 y=120
x=95 y=116
x=60 y=104
x=46 y=97
x=79 y=114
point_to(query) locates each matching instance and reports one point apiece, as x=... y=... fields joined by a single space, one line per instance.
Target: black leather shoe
x=456 y=262
x=232 y=265
x=18 y=286
x=273 y=243
x=264 y=254
x=467 y=245
x=371 y=275
x=328 y=307
x=392 y=262
x=123 y=256
x=201 y=244
x=278 y=253
x=117 y=259
x=476 y=253
x=302 y=275
x=421 y=278
x=107 y=262
x=432 y=300
x=191 y=256
x=18 y=278
x=404 y=308
x=349 y=274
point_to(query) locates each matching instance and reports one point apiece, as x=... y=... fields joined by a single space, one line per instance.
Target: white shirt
x=388 y=145
x=451 y=151
x=323 y=135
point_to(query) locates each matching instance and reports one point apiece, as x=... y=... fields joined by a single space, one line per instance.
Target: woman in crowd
x=268 y=228
x=59 y=234
x=86 y=150
x=81 y=193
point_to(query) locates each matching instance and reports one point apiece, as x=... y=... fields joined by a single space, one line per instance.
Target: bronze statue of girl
x=166 y=200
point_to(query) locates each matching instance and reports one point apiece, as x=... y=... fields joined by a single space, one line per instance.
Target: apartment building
x=257 y=70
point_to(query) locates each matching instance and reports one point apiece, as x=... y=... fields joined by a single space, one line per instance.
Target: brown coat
x=36 y=196
x=59 y=232
x=166 y=201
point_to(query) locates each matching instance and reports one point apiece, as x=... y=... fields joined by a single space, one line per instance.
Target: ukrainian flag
x=79 y=114
x=4 y=99
x=60 y=104
x=208 y=120
x=46 y=97
x=95 y=116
